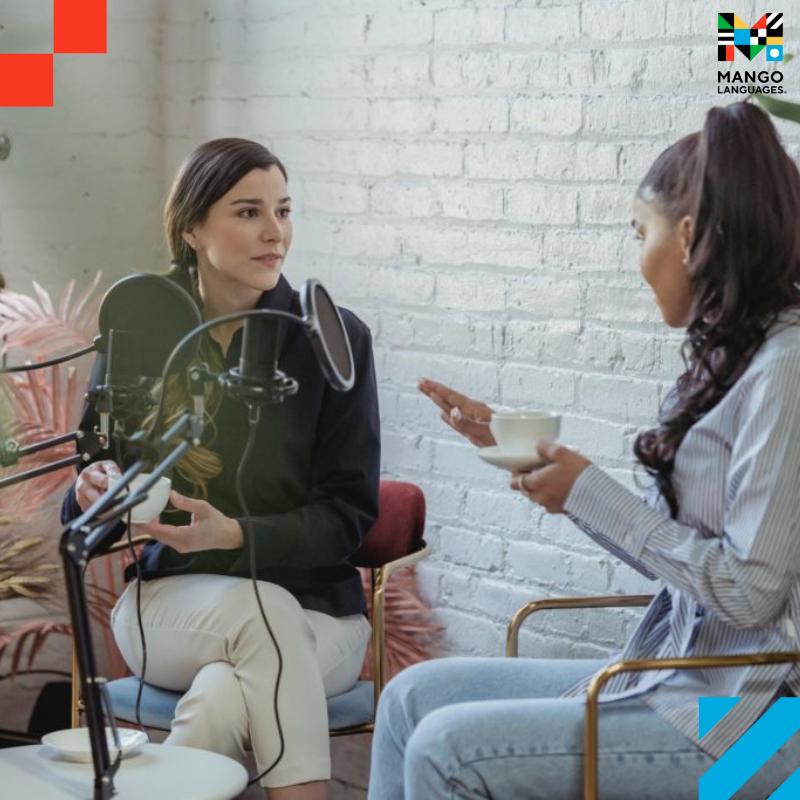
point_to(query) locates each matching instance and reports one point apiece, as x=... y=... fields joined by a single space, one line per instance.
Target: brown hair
x=742 y=192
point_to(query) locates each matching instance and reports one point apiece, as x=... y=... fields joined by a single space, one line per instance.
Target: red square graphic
x=26 y=79
x=79 y=26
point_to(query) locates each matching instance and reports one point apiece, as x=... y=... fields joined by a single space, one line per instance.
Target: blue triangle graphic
x=711 y=710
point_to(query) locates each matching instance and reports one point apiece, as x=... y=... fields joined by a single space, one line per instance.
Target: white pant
x=205 y=637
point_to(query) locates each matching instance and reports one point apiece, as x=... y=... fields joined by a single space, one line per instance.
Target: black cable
x=51 y=363
x=141 y=630
x=250 y=543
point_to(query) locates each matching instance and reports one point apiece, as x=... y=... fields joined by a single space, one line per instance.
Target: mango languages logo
x=733 y=34
x=736 y=38
x=26 y=79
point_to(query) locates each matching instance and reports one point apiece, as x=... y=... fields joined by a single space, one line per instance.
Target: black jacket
x=312 y=483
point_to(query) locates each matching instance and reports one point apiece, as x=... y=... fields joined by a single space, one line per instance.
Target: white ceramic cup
x=157 y=498
x=518 y=432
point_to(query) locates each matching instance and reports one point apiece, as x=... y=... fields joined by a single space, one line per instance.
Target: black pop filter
x=328 y=335
x=142 y=318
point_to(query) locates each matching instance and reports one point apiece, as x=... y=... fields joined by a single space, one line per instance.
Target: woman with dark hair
x=718 y=216
x=311 y=490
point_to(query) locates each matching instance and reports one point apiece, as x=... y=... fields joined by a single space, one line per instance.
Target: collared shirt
x=730 y=562
x=311 y=485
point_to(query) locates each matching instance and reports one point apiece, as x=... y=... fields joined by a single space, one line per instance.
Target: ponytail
x=743 y=193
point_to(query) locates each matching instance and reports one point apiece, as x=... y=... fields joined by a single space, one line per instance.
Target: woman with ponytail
x=310 y=487
x=718 y=216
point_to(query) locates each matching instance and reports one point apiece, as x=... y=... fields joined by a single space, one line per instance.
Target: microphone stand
x=95 y=530
x=98 y=527
x=87 y=535
x=89 y=443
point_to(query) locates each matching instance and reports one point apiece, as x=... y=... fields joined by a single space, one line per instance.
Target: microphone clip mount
x=272 y=391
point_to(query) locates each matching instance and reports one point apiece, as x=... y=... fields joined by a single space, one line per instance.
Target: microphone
x=142 y=317
x=257 y=380
x=259 y=357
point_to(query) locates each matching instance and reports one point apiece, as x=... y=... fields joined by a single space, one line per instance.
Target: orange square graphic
x=26 y=79
x=79 y=26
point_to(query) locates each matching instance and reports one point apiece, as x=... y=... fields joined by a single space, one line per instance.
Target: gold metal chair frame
x=380 y=577
x=590 y=740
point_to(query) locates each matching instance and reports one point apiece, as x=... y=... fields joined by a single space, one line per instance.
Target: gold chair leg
x=75 y=690
x=590 y=734
x=378 y=632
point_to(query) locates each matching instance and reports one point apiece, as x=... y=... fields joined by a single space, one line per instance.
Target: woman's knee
x=279 y=604
x=424 y=687
x=431 y=760
x=409 y=697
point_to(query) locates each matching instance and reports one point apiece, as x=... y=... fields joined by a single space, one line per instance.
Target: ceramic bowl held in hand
x=518 y=432
x=156 y=502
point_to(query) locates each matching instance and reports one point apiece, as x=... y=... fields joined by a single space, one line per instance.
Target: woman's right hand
x=468 y=417
x=94 y=480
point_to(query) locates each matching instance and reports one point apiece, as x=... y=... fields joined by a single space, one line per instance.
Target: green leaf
x=780 y=108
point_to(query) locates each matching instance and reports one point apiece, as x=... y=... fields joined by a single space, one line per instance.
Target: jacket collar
x=280 y=298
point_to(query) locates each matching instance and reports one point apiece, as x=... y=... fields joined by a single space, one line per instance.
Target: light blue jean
x=498 y=728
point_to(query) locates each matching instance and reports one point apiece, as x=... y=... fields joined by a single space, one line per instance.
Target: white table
x=156 y=772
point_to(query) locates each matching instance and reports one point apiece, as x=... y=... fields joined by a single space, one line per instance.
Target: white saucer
x=73 y=744
x=497 y=458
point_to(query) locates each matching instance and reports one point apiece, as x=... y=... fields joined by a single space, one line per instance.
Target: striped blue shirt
x=730 y=562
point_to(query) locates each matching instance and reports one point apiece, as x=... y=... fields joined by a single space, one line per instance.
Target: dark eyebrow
x=256 y=202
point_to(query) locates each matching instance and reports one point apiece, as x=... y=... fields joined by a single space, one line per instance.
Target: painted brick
x=388 y=29
x=500 y=159
x=586 y=250
x=477 y=201
x=606 y=205
x=555 y=116
x=455 y=115
x=627 y=20
x=545 y=25
x=479 y=551
x=403 y=198
x=399 y=70
x=335 y=198
x=469 y=26
x=402 y=116
x=534 y=387
x=620 y=399
x=545 y=297
x=535 y=203
x=471 y=292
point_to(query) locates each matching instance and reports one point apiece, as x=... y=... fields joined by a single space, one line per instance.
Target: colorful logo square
x=734 y=34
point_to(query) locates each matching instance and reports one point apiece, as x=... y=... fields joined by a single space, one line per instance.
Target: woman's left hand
x=209 y=530
x=550 y=485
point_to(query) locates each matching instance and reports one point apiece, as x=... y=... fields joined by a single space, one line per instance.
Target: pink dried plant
x=33 y=324
x=408 y=623
x=38 y=405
